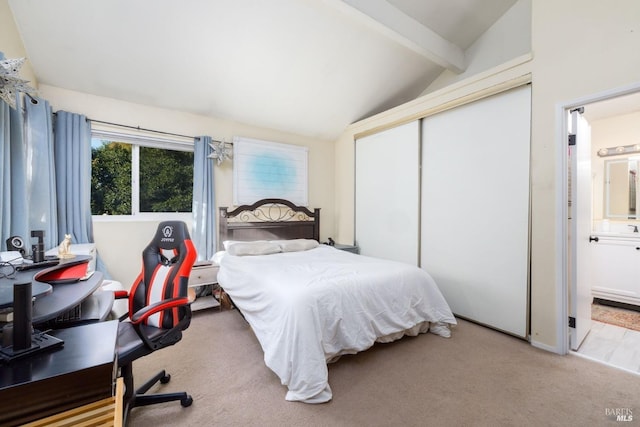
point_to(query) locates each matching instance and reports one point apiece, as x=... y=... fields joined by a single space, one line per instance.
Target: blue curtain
x=204 y=216
x=72 y=151
x=13 y=189
x=41 y=181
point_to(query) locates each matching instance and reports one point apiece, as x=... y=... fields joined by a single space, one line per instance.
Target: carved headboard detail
x=269 y=219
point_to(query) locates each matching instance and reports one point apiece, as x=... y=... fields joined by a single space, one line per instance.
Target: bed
x=310 y=303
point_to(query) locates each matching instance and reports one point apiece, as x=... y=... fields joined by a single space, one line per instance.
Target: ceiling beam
x=403 y=29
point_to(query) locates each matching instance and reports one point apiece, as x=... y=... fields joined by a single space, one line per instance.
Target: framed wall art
x=265 y=169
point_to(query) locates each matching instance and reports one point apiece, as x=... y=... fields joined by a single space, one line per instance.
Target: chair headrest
x=171 y=235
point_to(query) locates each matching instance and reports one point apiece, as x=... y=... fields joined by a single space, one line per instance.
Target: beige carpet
x=478 y=377
x=629 y=319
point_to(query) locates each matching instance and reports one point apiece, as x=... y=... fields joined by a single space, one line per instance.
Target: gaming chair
x=159 y=311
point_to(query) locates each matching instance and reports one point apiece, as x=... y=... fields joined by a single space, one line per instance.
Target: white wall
x=120 y=243
x=609 y=132
x=508 y=38
x=511 y=74
x=579 y=48
x=11 y=44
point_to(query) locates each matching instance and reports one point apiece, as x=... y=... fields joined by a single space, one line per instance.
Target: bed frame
x=268 y=219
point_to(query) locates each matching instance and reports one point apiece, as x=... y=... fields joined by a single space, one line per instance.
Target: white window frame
x=136 y=142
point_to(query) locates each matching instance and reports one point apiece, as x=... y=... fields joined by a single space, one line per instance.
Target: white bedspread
x=309 y=307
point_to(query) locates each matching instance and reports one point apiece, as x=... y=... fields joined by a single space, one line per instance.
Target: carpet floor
x=625 y=318
x=478 y=377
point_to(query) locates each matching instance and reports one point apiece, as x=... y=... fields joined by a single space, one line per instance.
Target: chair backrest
x=166 y=265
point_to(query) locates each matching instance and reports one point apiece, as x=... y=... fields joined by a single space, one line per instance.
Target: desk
x=22 y=276
x=6 y=289
x=81 y=372
x=61 y=298
x=65 y=297
x=106 y=412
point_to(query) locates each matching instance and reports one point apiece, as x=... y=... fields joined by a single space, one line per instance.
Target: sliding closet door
x=475 y=208
x=387 y=190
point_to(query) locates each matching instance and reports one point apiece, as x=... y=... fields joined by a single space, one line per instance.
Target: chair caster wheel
x=186 y=401
x=165 y=379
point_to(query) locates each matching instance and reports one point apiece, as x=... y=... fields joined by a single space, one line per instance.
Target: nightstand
x=203 y=280
x=348 y=248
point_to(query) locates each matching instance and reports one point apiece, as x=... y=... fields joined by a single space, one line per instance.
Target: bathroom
x=615 y=238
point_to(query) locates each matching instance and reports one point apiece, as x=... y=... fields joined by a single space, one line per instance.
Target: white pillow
x=228 y=243
x=296 y=245
x=217 y=257
x=253 y=248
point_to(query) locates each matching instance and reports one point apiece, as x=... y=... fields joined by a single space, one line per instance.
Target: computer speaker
x=15 y=243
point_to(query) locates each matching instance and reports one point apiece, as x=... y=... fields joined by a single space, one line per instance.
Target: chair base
x=139 y=398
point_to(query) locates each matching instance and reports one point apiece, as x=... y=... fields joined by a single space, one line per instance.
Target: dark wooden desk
x=62 y=297
x=65 y=297
x=6 y=288
x=21 y=276
x=80 y=372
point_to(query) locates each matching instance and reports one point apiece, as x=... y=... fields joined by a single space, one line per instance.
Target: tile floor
x=613 y=346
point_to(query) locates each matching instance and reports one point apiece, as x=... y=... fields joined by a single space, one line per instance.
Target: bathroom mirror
x=621 y=188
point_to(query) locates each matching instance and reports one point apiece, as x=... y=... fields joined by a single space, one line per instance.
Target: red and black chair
x=159 y=310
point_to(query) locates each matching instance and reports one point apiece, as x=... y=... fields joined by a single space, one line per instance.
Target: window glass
x=129 y=179
x=166 y=180
x=110 y=178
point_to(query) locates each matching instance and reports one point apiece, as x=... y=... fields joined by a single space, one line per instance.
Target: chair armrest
x=169 y=336
x=121 y=294
x=142 y=314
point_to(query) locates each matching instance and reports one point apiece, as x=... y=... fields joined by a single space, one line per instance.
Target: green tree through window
x=165 y=179
x=111 y=179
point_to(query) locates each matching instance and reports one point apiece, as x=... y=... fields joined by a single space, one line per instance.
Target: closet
x=463 y=174
x=387 y=183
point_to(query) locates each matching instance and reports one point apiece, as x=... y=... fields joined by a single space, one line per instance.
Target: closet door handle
x=593 y=239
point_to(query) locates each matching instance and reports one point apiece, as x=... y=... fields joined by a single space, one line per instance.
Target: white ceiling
x=617 y=106
x=309 y=67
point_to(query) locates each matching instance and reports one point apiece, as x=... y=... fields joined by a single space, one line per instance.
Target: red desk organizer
x=65 y=272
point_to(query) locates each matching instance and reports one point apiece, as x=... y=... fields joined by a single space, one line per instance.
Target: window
x=132 y=175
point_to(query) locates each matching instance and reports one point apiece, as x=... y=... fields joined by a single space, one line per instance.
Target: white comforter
x=309 y=307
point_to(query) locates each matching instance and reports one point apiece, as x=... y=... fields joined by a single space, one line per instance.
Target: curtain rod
x=155 y=131
x=142 y=129
x=138 y=128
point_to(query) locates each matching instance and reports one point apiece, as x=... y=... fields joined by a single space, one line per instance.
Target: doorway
x=591 y=220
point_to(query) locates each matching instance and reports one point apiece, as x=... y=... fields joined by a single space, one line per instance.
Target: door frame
x=562 y=208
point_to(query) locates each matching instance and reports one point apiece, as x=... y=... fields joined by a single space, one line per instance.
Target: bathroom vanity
x=616 y=266
x=615 y=247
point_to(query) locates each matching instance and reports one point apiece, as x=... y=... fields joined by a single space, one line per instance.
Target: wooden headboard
x=269 y=219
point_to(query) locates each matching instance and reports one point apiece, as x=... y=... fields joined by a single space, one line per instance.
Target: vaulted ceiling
x=309 y=67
